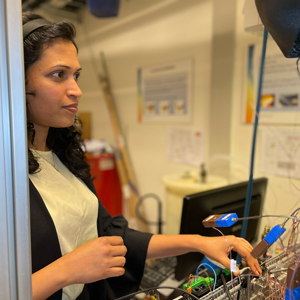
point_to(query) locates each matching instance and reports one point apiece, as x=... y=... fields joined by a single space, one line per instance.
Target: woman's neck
x=39 y=142
x=38 y=148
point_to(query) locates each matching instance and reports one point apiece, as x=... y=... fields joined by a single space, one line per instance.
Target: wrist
x=49 y=280
x=63 y=274
x=200 y=243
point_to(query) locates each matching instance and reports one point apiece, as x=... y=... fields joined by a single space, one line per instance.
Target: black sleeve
x=137 y=245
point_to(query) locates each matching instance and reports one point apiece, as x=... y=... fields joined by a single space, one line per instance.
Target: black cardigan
x=45 y=248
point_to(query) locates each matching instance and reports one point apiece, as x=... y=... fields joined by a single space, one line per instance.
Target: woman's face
x=53 y=81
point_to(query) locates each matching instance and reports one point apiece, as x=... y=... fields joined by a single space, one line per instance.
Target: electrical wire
x=292 y=214
x=226 y=290
x=266 y=216
x=156 y=288
x=207 y=265
x=229 y=249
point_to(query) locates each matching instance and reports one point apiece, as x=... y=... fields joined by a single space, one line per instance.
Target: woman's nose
x=74 y=90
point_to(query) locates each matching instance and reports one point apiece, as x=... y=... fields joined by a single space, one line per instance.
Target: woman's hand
x=217 y=249
x=101 y=258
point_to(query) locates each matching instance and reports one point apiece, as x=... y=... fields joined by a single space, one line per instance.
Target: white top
x=71 y=204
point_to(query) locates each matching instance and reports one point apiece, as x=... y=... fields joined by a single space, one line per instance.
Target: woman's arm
x=212 y=247
x=96 y=260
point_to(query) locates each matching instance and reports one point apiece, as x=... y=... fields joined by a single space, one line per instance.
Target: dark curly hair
x=66 y=143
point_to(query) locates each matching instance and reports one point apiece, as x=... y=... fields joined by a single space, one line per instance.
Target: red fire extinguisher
x=106 y=182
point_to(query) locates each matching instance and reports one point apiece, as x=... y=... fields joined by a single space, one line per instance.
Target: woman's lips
x=71 y=108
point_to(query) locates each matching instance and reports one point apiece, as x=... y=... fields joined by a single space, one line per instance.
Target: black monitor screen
x=227 y=199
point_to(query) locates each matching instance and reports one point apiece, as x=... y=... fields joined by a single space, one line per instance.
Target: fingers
x=226 y=263
x=115 y=272
x=118 y=251
x=114 y=240
x=115 y=251
x=253 y=264
x=114 y=246
x=112 y=254
x=244 y=248
x=118 y=261
x=96 y=260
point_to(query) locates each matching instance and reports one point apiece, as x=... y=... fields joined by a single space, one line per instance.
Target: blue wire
x=207 y=265
x=250 y=184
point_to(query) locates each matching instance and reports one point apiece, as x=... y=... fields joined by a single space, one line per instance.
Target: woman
x=78 y=250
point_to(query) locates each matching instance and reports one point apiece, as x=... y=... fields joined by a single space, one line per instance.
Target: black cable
x=157 y=288
x=226 y=290
x=159 y=223
x=248 y=288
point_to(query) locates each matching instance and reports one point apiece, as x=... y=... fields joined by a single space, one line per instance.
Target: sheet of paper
x=186 y=146
x=164 y=92
x=280 y=151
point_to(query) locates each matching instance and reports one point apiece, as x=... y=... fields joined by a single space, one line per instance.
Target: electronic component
x=274 y=234
x=260 y=249
x=293 y=282
x=210 y=221
x=199 y=281
x=233 y=288
x=293 y=279
x=224 y=220
x=268 y=240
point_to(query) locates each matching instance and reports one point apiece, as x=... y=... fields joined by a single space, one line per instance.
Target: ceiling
x=72 y=6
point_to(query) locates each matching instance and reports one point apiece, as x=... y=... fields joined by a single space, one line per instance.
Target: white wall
x=282 y=195
x=151 y=32
x=146 y=33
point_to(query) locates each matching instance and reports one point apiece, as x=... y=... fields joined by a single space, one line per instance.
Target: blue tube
x=210 y=267
x=250 y=184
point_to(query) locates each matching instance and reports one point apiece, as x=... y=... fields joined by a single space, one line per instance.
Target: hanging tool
x=125 y=170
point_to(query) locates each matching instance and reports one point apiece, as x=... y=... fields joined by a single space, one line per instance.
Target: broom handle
x=125 y=170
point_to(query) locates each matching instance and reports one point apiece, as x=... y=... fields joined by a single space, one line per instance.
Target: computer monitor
x=227 y=199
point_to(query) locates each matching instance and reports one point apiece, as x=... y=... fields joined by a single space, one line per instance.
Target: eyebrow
x=67 y=67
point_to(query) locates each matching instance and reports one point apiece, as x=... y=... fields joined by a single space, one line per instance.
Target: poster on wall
x=280 y=99
x=164 y=92
x=186 y=146
x=280 y=151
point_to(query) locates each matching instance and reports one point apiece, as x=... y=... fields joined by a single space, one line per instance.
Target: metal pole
x=15 y=275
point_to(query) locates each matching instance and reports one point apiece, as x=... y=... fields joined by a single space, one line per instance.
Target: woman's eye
x=58 y=74
x=76 y=76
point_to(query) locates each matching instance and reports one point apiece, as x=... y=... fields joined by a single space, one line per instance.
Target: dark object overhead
x=282 y=20
x=104 y=8
x=66 y=5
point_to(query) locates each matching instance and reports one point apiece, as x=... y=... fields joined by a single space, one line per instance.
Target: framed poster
x=164 y=92
x=280 y=99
